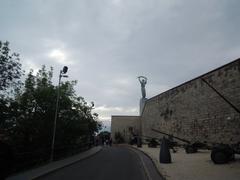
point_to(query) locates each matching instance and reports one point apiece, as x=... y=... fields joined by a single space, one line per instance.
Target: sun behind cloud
x=59 y=56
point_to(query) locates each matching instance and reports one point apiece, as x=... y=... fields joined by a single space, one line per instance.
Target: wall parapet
x=192 y=110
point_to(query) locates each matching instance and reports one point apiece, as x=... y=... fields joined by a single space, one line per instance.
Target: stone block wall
x=194 y=111
x=122 y=124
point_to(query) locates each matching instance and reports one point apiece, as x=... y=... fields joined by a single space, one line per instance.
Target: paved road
x=112 y=163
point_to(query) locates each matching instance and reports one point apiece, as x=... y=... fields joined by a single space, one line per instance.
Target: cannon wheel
x=222 y=154
x=190 y=149
x=219 y=156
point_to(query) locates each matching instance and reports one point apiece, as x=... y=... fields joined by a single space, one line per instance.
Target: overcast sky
x=108 y=43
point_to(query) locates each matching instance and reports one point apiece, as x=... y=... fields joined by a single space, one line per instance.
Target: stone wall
x=194 y=111
x=122 y=124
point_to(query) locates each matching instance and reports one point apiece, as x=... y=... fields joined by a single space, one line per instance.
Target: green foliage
x=27 y=118
x=118 y=138
x=10 y=84
x=104 y=135
x=10 y=69
x=37 y=105
x=152 y=142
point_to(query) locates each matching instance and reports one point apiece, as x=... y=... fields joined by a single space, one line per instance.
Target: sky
x=107 y=44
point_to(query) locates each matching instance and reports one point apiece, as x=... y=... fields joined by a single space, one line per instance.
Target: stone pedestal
x=142 y=104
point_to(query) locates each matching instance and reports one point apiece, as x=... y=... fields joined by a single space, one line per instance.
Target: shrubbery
x=27 y=110
x=119 y=138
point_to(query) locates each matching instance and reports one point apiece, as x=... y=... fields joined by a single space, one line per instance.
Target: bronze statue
x=143 y=82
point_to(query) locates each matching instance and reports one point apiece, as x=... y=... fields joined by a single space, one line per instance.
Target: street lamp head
x=65 y=69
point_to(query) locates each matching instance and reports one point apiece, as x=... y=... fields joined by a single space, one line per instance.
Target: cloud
x=29 y=64
x=104 y=111
x=58 y=55
x=107 y=44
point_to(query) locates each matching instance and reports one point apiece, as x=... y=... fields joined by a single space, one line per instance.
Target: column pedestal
x=142 y=104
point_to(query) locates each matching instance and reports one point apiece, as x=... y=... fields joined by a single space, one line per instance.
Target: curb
x=142 y=162
x=54 y=166
x=131 y=148
x=156 y=167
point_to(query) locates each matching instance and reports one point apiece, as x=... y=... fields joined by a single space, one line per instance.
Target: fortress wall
x=122 y=124
x=194 y=111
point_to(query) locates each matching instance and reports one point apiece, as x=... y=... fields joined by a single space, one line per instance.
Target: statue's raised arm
x=143 y=82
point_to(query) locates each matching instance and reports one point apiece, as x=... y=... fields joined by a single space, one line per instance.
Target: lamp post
x=61 y=74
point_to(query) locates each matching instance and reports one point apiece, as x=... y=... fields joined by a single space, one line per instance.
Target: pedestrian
x=103 y=141
x=110 y=141
x=97 y=141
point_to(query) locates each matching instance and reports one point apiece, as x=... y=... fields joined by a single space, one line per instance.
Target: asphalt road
x=112 y=163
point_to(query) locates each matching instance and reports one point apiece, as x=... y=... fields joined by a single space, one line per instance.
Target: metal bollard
x=139 y=142
x=165 y=156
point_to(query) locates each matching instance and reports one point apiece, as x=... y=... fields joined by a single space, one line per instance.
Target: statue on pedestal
x=143 y=82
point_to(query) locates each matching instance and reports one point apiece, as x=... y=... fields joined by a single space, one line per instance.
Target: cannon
x=135 y=138
x=190 y=147
x=151 y=141
x=223 y=153
x=220 y=153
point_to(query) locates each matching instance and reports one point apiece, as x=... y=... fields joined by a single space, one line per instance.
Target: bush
x=119 y=138
x=153 y=143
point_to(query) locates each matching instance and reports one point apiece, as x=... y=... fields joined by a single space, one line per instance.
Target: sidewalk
x=34 y=173
x=197 y=166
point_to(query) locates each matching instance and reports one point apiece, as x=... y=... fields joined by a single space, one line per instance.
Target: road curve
x=112 y=163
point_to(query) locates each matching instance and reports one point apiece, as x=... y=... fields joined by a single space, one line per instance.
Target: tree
x=118 y=138
x=10 y=69
x=34 y=124
x=27 y=116
x=10 y=82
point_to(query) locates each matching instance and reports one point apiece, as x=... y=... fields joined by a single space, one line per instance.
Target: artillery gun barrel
x=184 y=140
x=149 y=137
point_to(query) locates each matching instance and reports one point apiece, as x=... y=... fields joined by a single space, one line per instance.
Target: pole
x=184 y=140
x=55 y=118
x=225 y=99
